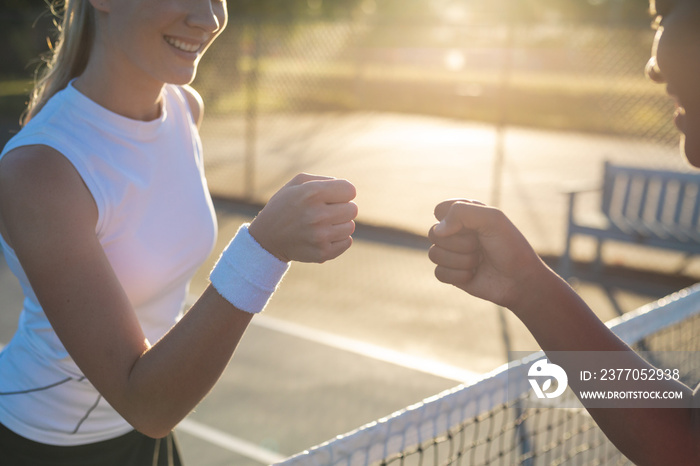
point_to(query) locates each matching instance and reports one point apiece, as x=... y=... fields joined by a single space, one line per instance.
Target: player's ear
x=101 y=5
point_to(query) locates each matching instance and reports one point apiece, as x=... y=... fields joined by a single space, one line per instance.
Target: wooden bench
x=656 y=208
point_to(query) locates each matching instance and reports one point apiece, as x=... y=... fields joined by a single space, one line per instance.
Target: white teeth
x=181 y=45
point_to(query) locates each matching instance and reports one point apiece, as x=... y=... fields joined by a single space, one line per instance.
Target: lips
x=679 y=115
x=679 y=119
x=183 y=46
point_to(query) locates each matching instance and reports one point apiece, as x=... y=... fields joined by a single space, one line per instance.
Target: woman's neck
x=138 y=99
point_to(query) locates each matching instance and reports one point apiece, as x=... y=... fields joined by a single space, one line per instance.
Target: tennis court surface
x=344 y=344
x=356 y=339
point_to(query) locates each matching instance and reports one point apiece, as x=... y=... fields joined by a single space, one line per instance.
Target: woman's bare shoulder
x=33 y=166
x=38 y=181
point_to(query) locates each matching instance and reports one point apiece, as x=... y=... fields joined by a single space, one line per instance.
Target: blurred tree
x=284 y=8
x=25 y=27
x=331 y=8
x=600 y=11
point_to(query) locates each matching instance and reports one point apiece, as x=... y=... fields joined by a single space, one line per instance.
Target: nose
x=653 y=71
x=208 y=15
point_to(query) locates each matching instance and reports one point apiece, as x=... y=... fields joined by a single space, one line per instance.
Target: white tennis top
x=156 y=224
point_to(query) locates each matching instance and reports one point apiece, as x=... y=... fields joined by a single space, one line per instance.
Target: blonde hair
x=69 y=54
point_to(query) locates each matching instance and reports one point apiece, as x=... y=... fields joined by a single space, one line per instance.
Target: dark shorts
x=132 y=449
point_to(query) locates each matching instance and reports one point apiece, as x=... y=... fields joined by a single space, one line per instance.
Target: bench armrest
x=581 y=187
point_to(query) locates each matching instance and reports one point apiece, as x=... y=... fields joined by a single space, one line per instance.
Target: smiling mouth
x=180 y=45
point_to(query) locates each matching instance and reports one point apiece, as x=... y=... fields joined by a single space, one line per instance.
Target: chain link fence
x=414 y=110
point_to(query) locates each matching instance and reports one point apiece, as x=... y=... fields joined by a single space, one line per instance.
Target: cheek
x=222 y=14
x=222 y=19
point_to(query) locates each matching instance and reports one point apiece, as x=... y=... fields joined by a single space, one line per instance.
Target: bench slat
x=659 y=208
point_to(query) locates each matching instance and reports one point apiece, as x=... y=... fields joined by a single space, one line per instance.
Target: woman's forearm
x=177 y=372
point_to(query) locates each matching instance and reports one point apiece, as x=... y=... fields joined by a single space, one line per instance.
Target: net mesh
x=485 y=424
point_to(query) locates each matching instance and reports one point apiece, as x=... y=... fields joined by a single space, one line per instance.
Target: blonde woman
x=105 y=216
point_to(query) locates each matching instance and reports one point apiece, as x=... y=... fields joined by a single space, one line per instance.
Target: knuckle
x=302 y=177
x=353 y=210
x=495 y=215
x=320 y=258
x=441 y=275
x=326 y=252
x=310 y=190
x=349 y=188
x=321 y=216
x=342 y=189
x=313 y=218
x=319 y=237
x=431 y=235
x=433 y=254
x=461 y=206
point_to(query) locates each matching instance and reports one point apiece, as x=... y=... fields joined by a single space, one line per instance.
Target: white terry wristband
x=246 y=274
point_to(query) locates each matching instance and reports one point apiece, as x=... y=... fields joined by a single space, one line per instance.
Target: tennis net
x=486 y=423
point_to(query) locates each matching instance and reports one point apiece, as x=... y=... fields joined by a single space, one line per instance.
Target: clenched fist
x=478 y=249
x=310 y=219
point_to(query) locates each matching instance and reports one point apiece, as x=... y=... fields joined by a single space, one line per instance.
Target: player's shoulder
x=196 y=103
x=29 y=161
x=39 y=172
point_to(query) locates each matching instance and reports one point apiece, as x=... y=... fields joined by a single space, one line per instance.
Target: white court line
x=244 y=448
x=416 y=363
x=426 y=366
x=229 y=442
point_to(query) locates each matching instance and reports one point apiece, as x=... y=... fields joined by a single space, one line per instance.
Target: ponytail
x=69 y=54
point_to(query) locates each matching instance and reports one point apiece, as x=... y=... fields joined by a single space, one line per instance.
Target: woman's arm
x=48 y=217
x=479 y=250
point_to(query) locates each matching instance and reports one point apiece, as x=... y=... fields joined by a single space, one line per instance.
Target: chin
x=180 y=76
x=691 y=150
x=182 y=79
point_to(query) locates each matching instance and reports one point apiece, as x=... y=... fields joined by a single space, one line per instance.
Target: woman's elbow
x=152 y=424
x=152 y=429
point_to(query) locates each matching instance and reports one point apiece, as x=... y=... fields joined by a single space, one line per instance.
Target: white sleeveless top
x=156 y=224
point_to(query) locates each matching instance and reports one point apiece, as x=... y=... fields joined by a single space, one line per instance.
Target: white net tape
x=487 y=414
